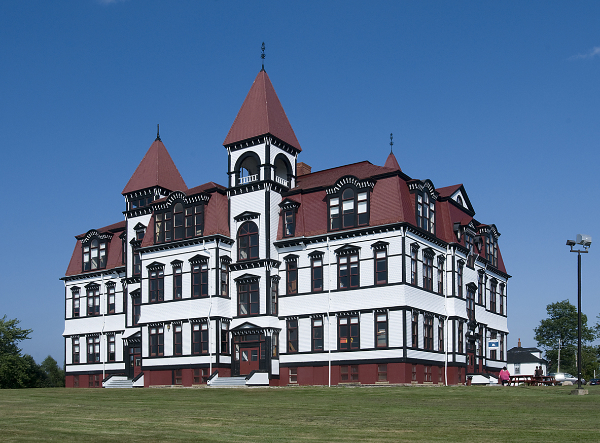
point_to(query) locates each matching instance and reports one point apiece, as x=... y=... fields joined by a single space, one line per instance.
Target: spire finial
x=262 y=56
x=391 y=143
x=157 y=133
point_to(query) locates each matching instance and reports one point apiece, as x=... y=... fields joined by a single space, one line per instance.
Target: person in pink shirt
x=504 y=377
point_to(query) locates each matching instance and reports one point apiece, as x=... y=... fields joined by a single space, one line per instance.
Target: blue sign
x=493 y=343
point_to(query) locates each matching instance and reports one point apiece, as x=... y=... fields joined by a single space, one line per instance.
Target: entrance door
x=470 y=362
x=248 y=358
x=135 y=360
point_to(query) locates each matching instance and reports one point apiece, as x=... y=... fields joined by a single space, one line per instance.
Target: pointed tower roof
x=392 y=163
x=261 y=114
x=156 y=169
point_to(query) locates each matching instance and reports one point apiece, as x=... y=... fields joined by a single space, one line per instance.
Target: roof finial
x=391 y=143
x=262 y=56
x=157 y=133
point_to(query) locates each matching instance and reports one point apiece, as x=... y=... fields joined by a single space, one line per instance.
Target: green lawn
x=545 y=414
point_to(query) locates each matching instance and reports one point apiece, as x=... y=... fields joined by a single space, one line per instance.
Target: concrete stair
x=228 y=382
x=118 y=382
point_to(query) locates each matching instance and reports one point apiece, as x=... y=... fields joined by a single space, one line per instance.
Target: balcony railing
x=248 y=179
x=282 y=181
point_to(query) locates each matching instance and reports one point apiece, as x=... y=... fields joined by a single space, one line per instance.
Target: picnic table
x=531 y=380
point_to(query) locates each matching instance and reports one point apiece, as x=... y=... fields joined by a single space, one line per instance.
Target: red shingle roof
x=328 y=177
x=448 y=190
x=114 y=258
x=261 y=114
x=156 y=169
x=392 y=163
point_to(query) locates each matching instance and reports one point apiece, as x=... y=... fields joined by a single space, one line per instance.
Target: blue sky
x=500 y=96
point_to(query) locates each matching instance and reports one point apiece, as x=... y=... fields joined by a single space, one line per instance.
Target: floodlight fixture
x=584 y=240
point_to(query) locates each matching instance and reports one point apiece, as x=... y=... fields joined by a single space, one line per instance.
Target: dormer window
x=178 y=223
x=491 y=250
x=425 y=212
x=94 y=254
x=140 y=231
x=289 y=223
x=352 y=205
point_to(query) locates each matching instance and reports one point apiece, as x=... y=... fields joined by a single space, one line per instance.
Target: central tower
x=262 y=155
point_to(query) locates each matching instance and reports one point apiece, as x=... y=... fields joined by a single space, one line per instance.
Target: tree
x=16 y=371
x=53 y=376
x=561 y=324
x=10 y=335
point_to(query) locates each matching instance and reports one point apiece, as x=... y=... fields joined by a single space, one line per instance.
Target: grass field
x=489 y=414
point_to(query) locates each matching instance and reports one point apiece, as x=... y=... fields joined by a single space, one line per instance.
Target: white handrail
x=281 y=181
x=248 y=179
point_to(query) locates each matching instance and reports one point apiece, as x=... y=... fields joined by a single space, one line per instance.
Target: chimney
x=302 y=169
x=519 y=343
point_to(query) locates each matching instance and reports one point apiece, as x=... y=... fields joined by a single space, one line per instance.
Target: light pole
x=585 y=241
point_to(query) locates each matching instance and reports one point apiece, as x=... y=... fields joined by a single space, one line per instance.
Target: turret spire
x=391 y=143
x=262 y=56
x=157 y=133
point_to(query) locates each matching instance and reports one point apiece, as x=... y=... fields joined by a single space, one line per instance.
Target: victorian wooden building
x=355 y=274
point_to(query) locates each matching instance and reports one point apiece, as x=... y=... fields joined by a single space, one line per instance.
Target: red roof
x=156 y=169
x=329 y=177
x=204 y=187
x=448 y=190
x=115 y=250
x=392 y=163
x=261 y=114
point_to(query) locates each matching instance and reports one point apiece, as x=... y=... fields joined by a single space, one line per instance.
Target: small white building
x=523 y=361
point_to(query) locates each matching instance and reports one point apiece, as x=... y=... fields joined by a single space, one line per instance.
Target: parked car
x=565 y=376
x=594 y=381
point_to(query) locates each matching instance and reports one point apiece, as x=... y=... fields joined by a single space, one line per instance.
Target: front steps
x=228 y=382
x=118 y=382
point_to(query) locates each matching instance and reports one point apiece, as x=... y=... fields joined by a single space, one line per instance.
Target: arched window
x=248 y=241
x=248 y=171
x=282 y=171
x=354 y=209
